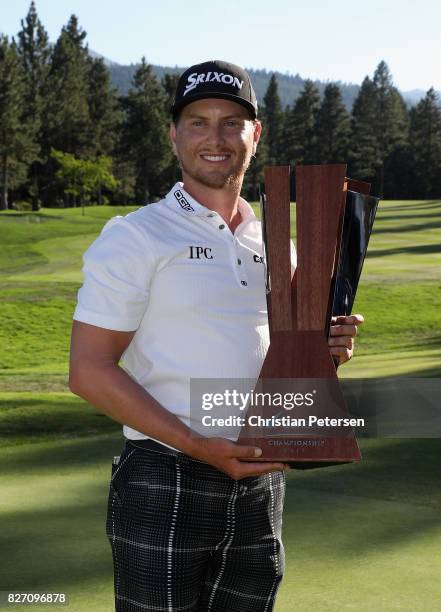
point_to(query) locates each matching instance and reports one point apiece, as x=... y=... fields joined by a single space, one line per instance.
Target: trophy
x=334 y=218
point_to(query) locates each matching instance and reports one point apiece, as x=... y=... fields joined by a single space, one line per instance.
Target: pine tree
x=169 y=83
x=397 y=177
x=145 y=136
x=332 y=127
x=104 y=111
x=67 y=111
x=273 y=120
x=425 y=140
x=66 y=118
x=299 y=135
x=33 y=48
x=125 y=174
x=17 y=145
x=363 y=155
x=391 y=123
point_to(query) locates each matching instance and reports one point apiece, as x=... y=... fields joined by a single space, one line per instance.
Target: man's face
x=214 y=141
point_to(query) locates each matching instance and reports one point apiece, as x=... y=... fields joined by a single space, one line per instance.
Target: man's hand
x=225 y=455
x=341 y=336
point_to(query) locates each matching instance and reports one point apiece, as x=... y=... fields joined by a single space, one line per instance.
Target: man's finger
x=246 y=451
x=343 y=330
x=355 y=319
x=346 y=341
x=343 y=354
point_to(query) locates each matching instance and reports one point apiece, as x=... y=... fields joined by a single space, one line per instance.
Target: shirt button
x=221 y=226
x=244 y=283
x=239 y=261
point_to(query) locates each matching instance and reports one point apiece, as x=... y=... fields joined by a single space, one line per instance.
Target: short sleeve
x=117 y=270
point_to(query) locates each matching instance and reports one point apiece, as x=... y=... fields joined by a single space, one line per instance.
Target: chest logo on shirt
x=258 y=259
x=198 y=252
x=183 y=203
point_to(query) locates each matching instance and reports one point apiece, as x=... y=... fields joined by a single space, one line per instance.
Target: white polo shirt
x=193 y=291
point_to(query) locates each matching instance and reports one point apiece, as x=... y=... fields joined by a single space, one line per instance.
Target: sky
x=334 y=40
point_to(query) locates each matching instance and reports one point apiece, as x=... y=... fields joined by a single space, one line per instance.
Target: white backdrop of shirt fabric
x=193 y=291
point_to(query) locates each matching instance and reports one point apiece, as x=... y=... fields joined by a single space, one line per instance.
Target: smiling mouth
x=215 y=158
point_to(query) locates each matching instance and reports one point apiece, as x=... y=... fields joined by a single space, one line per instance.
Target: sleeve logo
x=182 y=201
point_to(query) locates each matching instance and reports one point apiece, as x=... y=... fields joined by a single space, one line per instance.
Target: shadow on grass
x=336 y=511
x=392 y=469
x=23 y=290
x=432 y=372
x=63 y=416
x=397 y=217
x=29 y=216
x=417 y=227
x=43 y=455
x=388 y=500
x=399 y=470
x=65 y=545
x=56 y=547
x=338 y=530
x=425 y=343
x=419 y=249
x=416 y=206
x=432 y=342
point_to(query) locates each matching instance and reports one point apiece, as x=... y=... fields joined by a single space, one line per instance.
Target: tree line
x=67 y=137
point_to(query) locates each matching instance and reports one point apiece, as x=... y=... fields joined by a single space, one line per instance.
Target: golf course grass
x=365 y=536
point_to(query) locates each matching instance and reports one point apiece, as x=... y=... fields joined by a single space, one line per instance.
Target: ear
x=172 y=134
x=256 y=135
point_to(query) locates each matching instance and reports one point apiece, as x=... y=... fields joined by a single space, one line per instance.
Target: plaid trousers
x=185 y=536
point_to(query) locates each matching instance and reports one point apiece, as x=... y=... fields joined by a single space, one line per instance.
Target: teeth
x=215 y=158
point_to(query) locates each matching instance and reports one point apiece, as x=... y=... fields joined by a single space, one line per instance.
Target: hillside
x=289 y=85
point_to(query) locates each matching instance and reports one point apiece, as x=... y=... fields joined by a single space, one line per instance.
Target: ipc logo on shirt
x=198 y=252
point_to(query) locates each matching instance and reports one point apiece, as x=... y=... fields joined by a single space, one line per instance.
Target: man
x=177 y=289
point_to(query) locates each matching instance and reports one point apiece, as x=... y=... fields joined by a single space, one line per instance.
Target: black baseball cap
x=214 y=79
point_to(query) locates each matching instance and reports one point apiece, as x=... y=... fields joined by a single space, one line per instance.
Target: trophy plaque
x=334 y=218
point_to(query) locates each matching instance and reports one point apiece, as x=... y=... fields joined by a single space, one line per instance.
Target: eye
x=197 y=123
x=232 y=123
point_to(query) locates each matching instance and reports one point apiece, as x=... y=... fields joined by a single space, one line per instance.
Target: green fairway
x=365 y=536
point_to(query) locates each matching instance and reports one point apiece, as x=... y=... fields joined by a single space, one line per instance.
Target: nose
x=215 y=134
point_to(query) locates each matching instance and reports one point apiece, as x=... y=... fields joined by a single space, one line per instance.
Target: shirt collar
x=184 y=202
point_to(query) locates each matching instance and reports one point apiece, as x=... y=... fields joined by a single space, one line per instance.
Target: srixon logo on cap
x=196 y=79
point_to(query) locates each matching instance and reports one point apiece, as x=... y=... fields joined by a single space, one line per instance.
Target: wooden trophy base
x=299 y=314
x=304 y=453
x=300 y=443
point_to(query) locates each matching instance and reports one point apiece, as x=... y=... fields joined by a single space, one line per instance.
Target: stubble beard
x=231 y=179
